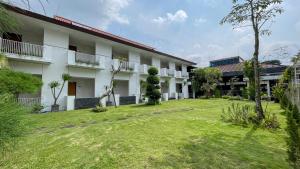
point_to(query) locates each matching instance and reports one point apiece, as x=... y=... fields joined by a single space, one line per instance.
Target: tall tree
x=256 y=14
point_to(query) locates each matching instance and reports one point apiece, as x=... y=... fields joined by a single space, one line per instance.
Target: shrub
x=284 y=102
x=37 y=108
x=294 y=140
x=271 y=121
x=235 y=98
x=237 y=114
x=152 y=90
x=278 y=92
x=217 y=93
x=245 y=93
x=99 y=109
x=11 y=122
x=18 y=82
x=225 y=97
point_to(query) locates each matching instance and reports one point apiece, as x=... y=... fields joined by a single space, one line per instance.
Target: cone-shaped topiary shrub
x=152 y=90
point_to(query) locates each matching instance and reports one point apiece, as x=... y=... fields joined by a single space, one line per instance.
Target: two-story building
x=48 y=47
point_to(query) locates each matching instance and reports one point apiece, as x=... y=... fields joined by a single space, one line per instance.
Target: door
x=72 y=89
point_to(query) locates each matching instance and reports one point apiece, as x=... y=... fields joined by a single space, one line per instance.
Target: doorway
x=72 y=89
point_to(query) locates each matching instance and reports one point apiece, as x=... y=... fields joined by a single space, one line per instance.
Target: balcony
x=25 y=51
x=125 y=66
x=144 y=69
x=171 y=73
x=178 y=74
x=83 y=60
x=185 y=74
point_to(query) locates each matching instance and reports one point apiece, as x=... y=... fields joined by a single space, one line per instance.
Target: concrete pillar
x=172 y=81
x=156 y=63
x=134 y=79
x=103 y=77
x=268 y=89
x=57 y=44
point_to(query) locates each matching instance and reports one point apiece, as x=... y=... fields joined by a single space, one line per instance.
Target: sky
x=188 y=29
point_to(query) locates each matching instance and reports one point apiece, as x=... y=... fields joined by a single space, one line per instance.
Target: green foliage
x=99 y=109
x=287 y=75
x=237 y=114
x=37 y=108
x=271 y=120
x=3 y=61
x=245 y=93
x=235 y=98
x=284 y=102
x=7 y=21
x=18 y=82
x=152 y=90
x=225 y=97
x=206 y=79
x=249 y=71
x=278 y=91
x=54 y=85
x=11 y=122
x=217 y=93
x=294 y=140
x=153 y=71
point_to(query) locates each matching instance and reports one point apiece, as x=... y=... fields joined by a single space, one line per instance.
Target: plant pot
x=55 y=108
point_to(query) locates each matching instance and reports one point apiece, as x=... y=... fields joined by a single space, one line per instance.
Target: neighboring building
x=48 y=47
x=297 y=73
x=234 y=79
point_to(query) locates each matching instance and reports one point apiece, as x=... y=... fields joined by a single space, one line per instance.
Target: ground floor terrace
x=175 y=134
x=87 y=85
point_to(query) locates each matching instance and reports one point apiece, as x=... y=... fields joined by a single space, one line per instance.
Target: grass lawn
x=176 y=134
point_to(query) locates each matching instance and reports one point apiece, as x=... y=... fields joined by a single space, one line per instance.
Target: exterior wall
x=90 y=82
x=172 y=86
x=85 y=88
x=59 y=42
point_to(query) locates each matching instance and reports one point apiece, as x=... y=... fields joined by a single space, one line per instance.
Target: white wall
x=32 y=68
x=172 y=86
x=85 y=88
x=59 y=42
x=122 y=88
x=103 y=77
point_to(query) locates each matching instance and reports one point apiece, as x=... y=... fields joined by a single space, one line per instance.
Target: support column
x=268 y=89
x=172 y=85
x=103 y=77
x=57 y=44
x=134 y=79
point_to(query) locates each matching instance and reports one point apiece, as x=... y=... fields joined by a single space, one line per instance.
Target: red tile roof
x=86 y=29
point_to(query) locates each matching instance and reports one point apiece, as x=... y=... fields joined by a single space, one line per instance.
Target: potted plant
x=54 y=86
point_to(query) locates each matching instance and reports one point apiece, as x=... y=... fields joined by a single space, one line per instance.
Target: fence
x=28 y=101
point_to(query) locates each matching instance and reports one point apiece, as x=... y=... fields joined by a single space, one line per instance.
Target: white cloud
x=110 y=12
x=200 y=21
x=179 y=16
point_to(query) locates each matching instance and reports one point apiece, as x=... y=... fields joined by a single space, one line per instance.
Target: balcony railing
x=144 y=69
x=171 y=72
x=124 y=65
x=20 y=48
x=86 y=58
x=178 y=74
x=29 y=101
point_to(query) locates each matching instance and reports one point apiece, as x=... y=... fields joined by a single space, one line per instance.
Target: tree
x=212 y=77
x=18 y=82
x=256 y=14
x=152 y=91
x=248 y=69
x=198 y=79
x=296 y=58
x=54 y=85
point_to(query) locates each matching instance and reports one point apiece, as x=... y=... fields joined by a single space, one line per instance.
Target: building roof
x=87 y=29
x=237 y=69
x=228 y=58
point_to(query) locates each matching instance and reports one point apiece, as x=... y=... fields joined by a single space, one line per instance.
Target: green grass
x=176 y=134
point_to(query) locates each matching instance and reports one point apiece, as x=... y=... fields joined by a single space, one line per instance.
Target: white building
x=48 y=47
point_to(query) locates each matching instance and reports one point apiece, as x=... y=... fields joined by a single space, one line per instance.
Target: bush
x=99 y=109
x=278 y=92
x=271 y=121
x=237 y=114
x=284 y=102
x=152 y=90
x=235 y=98
x=294 y=140
x=225 y=97
x=217 y=93
x=152 y=71
x=37 y=108
x=11 y=122
x=245 y=94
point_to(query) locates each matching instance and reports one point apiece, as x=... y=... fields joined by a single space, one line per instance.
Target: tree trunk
x=258 y=106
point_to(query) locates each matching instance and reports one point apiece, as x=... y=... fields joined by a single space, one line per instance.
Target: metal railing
x=20 y=48
x=126 y=66
x=29 y=101
x=86 y=58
